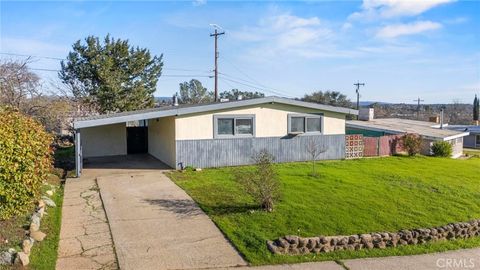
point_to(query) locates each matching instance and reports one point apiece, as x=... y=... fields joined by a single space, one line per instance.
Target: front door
x=137 y=140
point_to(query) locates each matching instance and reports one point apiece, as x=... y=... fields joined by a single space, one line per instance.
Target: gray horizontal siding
x=232 y=152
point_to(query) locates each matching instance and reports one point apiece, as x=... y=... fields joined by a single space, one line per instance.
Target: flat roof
x=470 y=128
x=107 y=119
x=400 y=126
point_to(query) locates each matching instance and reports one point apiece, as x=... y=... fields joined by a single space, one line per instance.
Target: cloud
x=285 y=33
x=374 y=9
x=396 y=30
x=199 y=2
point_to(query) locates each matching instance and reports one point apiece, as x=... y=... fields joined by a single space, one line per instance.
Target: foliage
x=234 y=94
x=349 y=197
x=193 y=92
x=412 y=143
x=112 y=75
x=442 y=149
x=476 y=109
x=25 y=161
x=314 y=149
x=262 y=183
x=333 y=98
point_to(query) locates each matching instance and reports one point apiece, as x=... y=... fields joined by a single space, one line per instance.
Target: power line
x=163 y=75
x=61 y=59
x=253 y=80
x=252 y=86
x=271 y=90
x=418 y=106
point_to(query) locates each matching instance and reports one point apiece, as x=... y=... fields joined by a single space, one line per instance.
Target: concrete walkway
x=156 y=225
x=85 y=241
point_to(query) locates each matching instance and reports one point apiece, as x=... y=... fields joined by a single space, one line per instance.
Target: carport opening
x=137 y=137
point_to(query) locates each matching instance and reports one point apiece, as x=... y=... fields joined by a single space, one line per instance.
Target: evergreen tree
x=193 y=92
x=111 y=76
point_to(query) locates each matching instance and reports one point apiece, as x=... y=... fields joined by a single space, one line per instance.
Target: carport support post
x=78 y=153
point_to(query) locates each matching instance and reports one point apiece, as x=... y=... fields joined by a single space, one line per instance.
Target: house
x=215 y=134
x=430 y=132
x=472 y=140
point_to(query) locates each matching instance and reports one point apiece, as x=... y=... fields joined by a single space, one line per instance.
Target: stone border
x=12 y=257
x=294 y=245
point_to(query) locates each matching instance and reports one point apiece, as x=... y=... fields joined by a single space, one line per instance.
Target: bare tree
x=315 y=148
x=18 y=85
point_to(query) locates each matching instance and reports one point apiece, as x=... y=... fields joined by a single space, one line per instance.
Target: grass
x=44 y=254
x=348 y=197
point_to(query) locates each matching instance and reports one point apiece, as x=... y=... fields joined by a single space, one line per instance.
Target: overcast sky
x=401 y=50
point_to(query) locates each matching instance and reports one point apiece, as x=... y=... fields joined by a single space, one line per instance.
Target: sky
x=401 y=50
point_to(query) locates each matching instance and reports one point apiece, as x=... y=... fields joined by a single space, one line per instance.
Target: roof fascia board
x=375 y=128
x=456 y=136
x=206 y=108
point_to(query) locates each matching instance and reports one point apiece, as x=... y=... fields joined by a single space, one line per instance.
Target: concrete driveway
x=156 y=225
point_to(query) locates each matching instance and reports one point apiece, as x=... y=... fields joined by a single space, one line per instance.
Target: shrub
x=25 y=161
x=442 y=149
x=412 y=144
x=262 y=183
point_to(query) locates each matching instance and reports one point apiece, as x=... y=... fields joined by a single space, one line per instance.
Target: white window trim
x=234 y=117
x=305 y=116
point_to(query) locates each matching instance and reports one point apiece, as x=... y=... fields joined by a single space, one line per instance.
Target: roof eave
x=205 y=108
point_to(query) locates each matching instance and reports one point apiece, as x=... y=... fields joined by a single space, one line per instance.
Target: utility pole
x=358 y=84
x=215 y=35
x=418 y=100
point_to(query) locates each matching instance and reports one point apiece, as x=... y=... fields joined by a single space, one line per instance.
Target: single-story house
x=428 y=131
x=216 y=134
x=472 y=140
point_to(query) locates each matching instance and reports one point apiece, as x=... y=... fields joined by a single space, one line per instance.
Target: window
x=308 y=123
x=478 y=140
x=233 y=126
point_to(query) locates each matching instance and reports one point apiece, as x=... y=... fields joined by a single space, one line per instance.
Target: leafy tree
x=235 y=93
x=193 y=92
x=262 y=183
x=333 y=98
x=112 y=75
x=476 y=108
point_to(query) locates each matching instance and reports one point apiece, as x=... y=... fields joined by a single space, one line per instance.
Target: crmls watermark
x=452 y=263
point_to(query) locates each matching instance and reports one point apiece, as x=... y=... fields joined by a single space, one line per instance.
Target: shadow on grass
x=185 y=207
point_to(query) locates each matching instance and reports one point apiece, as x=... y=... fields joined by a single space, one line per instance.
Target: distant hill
x=368 y=103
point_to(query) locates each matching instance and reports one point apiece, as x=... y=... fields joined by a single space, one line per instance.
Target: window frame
x=477 y=140
x=234 y=117
x=305 y=116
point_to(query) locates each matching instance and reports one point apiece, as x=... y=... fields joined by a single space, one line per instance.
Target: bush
x=25 y=161
x=412 y=144
x=262 y=183
x=442 y=149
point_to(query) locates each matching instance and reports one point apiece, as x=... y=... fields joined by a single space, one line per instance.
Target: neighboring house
x=429 y=132
x=216 y=134
x=472 y=140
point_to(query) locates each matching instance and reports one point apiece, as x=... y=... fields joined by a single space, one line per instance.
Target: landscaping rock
x=34 y=227
x=6 y=258
x=48 y=201
x=294 y=245
x=22 y=259
x=41 y=204
x=49 y=192
x=37 y=235
x=27 y=245
x=35 y=219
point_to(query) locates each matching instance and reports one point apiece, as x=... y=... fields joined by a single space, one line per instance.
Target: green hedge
x=25 y=161
x=442 y=149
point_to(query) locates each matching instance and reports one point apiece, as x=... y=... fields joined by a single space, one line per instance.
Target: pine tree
x=111 y=76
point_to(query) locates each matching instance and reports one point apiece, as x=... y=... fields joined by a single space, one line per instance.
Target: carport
x=114 y=137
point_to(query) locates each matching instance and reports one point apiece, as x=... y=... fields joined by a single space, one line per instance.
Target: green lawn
x=349 y=197
x=44 y=254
